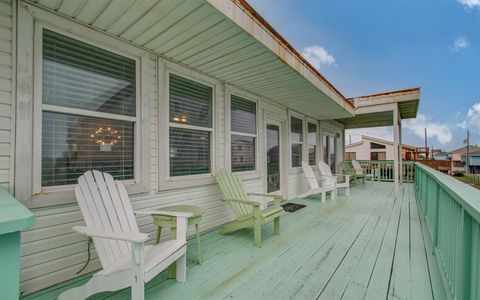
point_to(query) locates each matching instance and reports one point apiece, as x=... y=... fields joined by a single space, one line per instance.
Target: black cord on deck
x=88 y=257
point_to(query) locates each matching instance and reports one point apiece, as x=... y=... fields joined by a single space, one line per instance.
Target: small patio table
x=171 y=222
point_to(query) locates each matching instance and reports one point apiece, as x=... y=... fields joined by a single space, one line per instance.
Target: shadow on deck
x=370 y=246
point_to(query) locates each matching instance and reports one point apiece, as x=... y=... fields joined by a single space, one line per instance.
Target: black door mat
x=291 y=207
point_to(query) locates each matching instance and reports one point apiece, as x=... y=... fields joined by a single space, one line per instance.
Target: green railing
x=384 y=170
x=452 y=213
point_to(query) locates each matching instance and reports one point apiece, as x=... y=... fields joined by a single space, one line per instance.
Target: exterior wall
x=52 y=253
x=7 y=84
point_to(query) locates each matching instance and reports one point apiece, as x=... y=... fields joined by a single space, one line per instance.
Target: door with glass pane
x=329 y=151
x=273 y=158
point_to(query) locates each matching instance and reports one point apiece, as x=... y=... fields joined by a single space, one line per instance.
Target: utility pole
x=467 y=163
x=426 y=146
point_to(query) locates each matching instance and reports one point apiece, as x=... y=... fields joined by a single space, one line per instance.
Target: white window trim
x=167 y=182
x=290 y=142
x=314 y=122
x=229 y=91
x=28 y=162
x=327 y=128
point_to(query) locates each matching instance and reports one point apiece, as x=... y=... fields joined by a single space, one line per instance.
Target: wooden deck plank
x=400 y=277
x=369 y=246
x=359 y=279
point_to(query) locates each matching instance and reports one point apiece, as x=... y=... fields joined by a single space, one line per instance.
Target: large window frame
x=302 y=142
x=28 y=177
x=316 y=144
x=230 y=91
x=165 y=181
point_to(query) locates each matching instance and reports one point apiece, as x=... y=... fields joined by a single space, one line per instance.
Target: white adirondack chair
x=316 y=188
x=332 y=179
x=361 y=171
x=126 y=261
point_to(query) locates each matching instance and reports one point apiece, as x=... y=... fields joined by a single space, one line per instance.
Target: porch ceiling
x=377 y=110
x=224 y=39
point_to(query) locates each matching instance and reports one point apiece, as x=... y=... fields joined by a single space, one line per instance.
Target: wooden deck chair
x=339 y=180
x=126 y=261
x=361 y=172
x=316 y=188
x=247 y=213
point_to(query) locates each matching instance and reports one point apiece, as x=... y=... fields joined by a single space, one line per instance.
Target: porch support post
x=396 y=139
x=400 y=146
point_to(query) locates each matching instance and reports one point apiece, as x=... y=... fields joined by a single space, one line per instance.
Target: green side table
x=171 y=222
x=14 y=217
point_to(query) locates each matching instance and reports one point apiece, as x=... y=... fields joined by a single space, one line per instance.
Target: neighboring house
x=456 y=155
x=370 y=148
x=474 y=161
x=162 y=95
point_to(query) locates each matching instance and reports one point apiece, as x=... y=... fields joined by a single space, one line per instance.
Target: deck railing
x=384 y=170
x=452 y=213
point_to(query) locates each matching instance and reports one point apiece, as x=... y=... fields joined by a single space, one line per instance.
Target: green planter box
x=14 y=217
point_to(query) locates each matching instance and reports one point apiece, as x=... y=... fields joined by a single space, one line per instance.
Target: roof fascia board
x=247 y=22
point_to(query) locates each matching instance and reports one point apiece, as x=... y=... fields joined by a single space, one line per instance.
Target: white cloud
x=473 y=118
x=318 y=56
x=385 y=133
x=440 y=131
x=470 y=3
x=459 y=43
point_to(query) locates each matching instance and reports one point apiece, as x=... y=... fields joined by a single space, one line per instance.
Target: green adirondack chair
x=348 y=169
x=247 y=213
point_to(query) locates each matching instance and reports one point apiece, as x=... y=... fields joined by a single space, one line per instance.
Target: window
x=312 y=143
x=378 y=156
x=350 y=156
x=88 y=111
x=296 y=139
x=243 y=128
x=376 y=146
x=191 y=126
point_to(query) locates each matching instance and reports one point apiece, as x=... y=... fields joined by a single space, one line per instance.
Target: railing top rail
x=468 y=197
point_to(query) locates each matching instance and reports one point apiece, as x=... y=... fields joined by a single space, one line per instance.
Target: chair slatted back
x=233 y=189
x=106 y=207
x=309 y=175
x=324 y=170
x=357 y=167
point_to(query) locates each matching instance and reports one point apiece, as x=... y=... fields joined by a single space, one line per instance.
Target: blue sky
x=373 y=46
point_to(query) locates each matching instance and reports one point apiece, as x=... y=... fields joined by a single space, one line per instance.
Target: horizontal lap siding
x=6 y=87
x=52 y=253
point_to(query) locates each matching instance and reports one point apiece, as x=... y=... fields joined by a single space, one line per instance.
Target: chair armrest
x=120 y=236
x=253 y=203
x=165 y=213
x=264 y=195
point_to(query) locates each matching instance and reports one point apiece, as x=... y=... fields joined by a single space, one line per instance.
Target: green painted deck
x=370 y=246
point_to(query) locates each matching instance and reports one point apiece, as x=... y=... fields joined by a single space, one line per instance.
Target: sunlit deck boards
x=371 y=246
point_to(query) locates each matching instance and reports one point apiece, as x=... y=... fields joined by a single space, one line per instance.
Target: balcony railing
x=384 y=170
x=452 y=213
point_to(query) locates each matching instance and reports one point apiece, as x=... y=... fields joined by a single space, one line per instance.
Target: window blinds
x=189 y=152
x=83 y=79
x=78 y=75
x=190 y=102
x=243 y=115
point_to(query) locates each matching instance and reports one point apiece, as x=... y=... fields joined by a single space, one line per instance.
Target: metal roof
x=223 y=39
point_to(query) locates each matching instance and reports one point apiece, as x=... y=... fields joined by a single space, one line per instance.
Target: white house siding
x=6 y=90
x=362 y=149
x=51 y=252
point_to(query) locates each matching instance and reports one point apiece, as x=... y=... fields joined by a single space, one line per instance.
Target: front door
x=273 y=158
